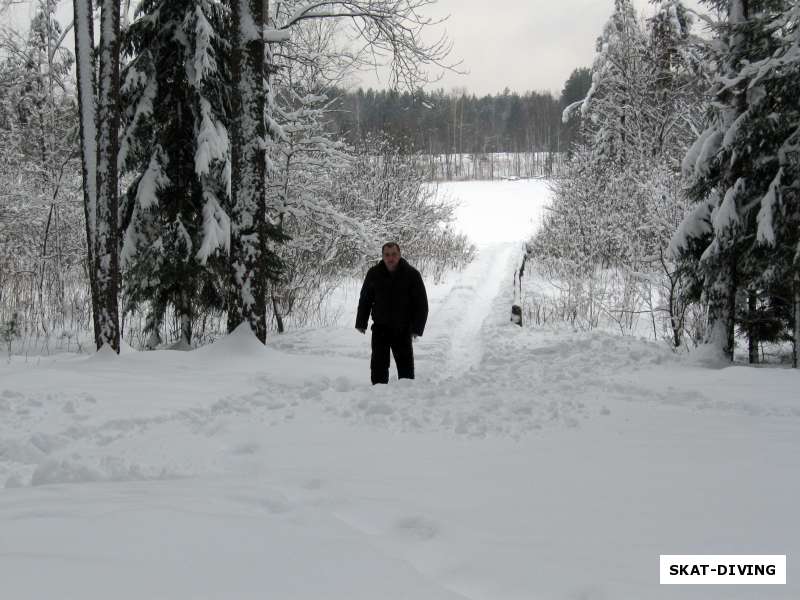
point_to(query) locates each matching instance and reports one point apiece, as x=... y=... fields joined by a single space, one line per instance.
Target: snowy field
x=521 y=464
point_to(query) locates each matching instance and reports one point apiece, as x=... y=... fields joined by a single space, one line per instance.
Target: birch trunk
x=107 y=206
x=86 y=82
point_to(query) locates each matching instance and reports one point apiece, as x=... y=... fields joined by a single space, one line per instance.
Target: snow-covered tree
x=575 y=89
x=385 y=190
x=644 y=85
x=382 y=27
x=98 y=100
x=619 y=198
x=775 y=113
x=741 y=163
x=611 y=108
x=252 y=262
x=107 y=206
x=39 y=250
x=176 y=145
x=677 y=81
x=320 y=238
x=86 y=74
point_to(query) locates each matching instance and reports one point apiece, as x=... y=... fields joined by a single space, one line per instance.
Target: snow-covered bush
x=43 y=285
x=341 y=207
x=386 y=190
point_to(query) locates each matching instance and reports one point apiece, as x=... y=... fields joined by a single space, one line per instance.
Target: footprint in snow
x=276 y=504
x=246 y=448
x=312 y=484
x=341 y=384
x=417 y=527
x=273 y=502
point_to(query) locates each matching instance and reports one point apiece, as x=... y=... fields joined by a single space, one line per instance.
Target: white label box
x=723 y=569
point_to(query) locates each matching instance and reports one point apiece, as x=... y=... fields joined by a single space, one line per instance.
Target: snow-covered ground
x=520 y=464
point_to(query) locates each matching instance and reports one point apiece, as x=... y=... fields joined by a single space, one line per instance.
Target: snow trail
x=456 y=323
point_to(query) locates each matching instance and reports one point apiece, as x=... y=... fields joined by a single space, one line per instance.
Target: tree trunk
x=675 y=321
x=85 y=73
x=107 y=230
x=730 y=309
x=153 y=324
x=752 y=327
x=276 y=311
x=247 y=300
x=796 y=319
x=722 y=308
x=185 y=313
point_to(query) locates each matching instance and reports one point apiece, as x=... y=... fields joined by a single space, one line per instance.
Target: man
x=394 y=293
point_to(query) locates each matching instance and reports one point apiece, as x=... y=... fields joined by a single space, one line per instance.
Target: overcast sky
x=520 y=44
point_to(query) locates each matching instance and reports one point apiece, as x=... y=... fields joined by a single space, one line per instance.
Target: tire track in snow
x=456 y=323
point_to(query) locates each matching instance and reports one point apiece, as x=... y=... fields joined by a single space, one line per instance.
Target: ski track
x=456 y=324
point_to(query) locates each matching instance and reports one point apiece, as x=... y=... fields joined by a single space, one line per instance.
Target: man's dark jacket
x=397 y=300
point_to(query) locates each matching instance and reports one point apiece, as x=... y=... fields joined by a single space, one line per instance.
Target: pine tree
x=774 y=117
x=733 y=164
x=177 y=228
x=575 y=90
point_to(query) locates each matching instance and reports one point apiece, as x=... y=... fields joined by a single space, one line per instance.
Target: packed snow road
x=521 y=463
x=456 y=320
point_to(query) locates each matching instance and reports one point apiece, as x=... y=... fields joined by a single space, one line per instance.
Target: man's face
x=391 y=257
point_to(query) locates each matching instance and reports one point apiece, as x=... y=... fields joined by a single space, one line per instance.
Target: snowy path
x=521 y=464
x=457 y=321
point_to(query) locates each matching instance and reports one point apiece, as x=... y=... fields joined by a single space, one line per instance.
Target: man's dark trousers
x=386 y=338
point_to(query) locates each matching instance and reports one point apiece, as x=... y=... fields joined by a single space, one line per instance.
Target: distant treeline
x=440 y=123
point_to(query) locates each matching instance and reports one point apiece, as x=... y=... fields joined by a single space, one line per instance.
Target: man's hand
x=362 y=330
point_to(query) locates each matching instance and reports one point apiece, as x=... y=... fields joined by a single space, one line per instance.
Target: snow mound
x=240 y=342
x=181 y=346
x=126 y=348
x=709 y=356
x=105 y=354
